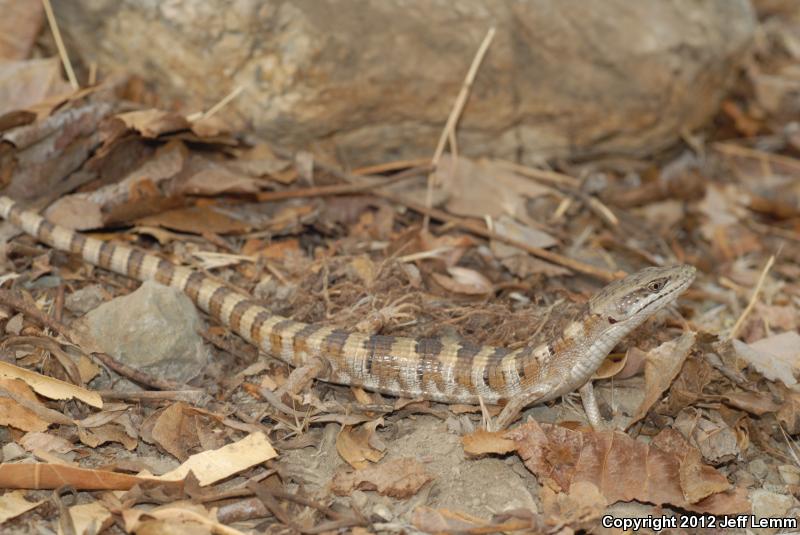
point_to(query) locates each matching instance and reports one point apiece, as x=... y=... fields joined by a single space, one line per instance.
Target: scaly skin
x=445 y=371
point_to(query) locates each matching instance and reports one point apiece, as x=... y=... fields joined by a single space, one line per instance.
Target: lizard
x=426 y=368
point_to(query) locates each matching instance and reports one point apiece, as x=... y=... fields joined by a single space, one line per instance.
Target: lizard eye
x=655 y=286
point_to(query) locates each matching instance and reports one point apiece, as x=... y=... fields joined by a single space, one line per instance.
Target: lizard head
x=626 y=303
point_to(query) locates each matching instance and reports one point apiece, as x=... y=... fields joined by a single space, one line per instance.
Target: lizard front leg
x=590 y=406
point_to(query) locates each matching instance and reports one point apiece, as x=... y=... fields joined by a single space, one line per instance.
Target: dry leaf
x=49 y=387
x=20 y=24
x=213 y=465
x=106 y=433
x=479 y=188
x=174 y=430
x=53 y=476
x=198 y=220
x=583 y=503
x=357 y=446
x=178 y=517
x=611 y=366
x=15 y=415
x=152 y=123
x=217 y=180
x=481 y=442
x=510 y=228
x=430 y=520
x=667 y=471
x=89 y=518
x=25 y=83
x=662 y=366
x=398 y=478
x=776 y=357
x=14 y=504
x=464 y=281
x=45 y=442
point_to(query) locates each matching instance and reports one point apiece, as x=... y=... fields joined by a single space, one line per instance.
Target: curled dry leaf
x=430 y=520
x=359 y=446
x=90 y=517
x=53 y=476
x=181 y=517
x=464 y=281
x=152 y=123
x=582 y=504
x=667 y=471
x=213 y=465
x=14 y=504
x=661 y=367
x=398 y=478
x=15 y=415
x=611 y=366
x=776 y=357
x=107 y=433
x=510 y=228
x=45 y=442
x=174 y=430
x=481 y=442
x=49 y=387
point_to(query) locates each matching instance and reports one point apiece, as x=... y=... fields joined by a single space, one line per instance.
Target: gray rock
x=85 y=299
x=154 y=329
x=367 y=80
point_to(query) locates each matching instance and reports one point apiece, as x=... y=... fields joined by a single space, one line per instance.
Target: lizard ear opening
x=611 y=320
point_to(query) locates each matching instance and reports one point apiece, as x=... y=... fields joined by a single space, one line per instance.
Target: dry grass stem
x=753 y=298
x=455 y=115
x=62 y=50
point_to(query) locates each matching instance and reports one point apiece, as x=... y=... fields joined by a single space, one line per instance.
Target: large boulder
x=371 y=80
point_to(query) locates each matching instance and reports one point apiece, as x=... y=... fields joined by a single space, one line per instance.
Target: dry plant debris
x=703 y=400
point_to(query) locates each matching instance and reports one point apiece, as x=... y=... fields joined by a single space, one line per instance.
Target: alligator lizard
x=450 y=372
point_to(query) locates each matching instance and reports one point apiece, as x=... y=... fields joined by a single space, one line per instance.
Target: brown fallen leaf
x=429 y=520
x=579 y=506
x=15 y=415
x=153 y=123
x=789 y=413
x=89 y=518
x=52 y=476
x=20 y=24
x=174 y=430
x=14 y=504
x=213 y=465
x=464 y=281
x=758 y=403
x=358 y=445
x=662 y=366
x=481 y=442
x=398 y=478
x=667 y=471
x=26 y=83
x=775 y=357
x=49 y=387
x=179 y=517
x=197 y=219
x=611 y=366
x=106 y=433
x=216 y=180
x=45 y=442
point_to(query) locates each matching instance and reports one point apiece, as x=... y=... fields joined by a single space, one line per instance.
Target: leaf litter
x=497 y=254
